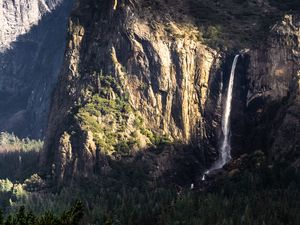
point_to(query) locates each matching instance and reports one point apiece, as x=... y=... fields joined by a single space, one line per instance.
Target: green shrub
x=72 y=216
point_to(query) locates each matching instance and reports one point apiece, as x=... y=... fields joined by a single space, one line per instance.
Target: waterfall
x=225 y=150
x=225 y=147
x=219 y=102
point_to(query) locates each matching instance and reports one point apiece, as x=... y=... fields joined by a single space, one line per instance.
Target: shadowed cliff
x=29 y=70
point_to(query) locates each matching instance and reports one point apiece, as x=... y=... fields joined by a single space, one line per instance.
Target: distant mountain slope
x=32 y=42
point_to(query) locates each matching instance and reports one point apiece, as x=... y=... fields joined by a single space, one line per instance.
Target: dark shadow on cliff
x=239 y=130
x=165 y=166
x=29 y=72
x=237 y=24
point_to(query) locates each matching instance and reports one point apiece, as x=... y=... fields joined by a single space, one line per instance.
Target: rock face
x=266 y=116
x=157 y=61
x=32 y=41
x=18 y=17
x=136 y=74
x=273 y=96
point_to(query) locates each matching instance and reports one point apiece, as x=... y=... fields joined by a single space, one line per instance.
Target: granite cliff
x=147 y=74
x=272 y=103
x=32 y=43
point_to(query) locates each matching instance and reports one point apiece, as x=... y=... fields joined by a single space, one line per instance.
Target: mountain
x=150 y=112
x=140 y=74
x=32 y=43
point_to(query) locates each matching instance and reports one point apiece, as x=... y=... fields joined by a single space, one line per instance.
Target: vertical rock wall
x=269 y=117
x=32 y=42
x=158 y=60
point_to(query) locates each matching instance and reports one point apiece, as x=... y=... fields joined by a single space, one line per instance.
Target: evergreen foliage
x=11 y=143
x=257 y=196
x=18 y=165
x=72 y=216
x=18 y=157
x=117 y=128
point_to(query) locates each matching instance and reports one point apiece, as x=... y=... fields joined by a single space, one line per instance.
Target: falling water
x=225 y=151
x=220 y=93
x=225 y=147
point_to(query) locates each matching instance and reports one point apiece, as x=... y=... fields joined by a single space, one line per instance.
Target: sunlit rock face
x=157 y=60
x=18 y=17
x=32 y=42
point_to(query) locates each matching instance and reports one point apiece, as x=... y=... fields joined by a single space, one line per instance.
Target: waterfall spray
x=225 y=150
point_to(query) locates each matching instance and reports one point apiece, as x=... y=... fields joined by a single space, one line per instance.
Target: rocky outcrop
x=285 y=69
x=157 y=63
x=18 y=17
x=32 y=42
x=270 y=112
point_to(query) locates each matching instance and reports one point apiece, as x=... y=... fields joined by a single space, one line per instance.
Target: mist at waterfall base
x=225 y=150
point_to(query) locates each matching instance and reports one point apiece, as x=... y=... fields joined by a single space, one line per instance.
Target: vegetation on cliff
x=116 y=126
x=238 y=24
